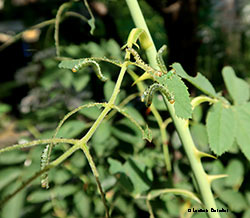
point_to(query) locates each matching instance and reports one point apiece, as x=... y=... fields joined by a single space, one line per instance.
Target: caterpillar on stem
x=148 y=94
x=159 y=59
x=86 y=62
x=44 y=162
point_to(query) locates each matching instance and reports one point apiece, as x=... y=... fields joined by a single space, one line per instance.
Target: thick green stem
x=181 y=125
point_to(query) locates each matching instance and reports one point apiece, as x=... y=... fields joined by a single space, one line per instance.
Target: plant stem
x=181 y=125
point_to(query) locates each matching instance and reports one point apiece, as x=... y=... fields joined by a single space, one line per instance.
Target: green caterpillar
x=147 y=96
x=86 y=62
x=44 y=163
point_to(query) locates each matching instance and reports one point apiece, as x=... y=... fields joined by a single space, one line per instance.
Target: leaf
x=71 y=129
x=64 y=191
x=69 y=64
x=115 y=166
x=182 y=103
x=221 y=128
x=81 y=82
x=199 y=81
x=127 y=131
x=82 y=203
x=67 y=79
x=138 y=174
x=234 y=199
x=246 y=214
x=8 y=175
x=39 y=196
x=14 y=207
x=13 y=157
x=102 y=133
x=92 y=112
x=242 y=115
x=91 y=23
x=235 y=172
x=237 y=88
x=197 y=114
x=199 y=134
x=134 y=114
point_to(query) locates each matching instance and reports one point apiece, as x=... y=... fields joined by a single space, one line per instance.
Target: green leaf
x=102 y=133
x=82 y=203
x=8 y=175
x=92 y=112
x=80 y=82
x=234 y=199
x=199 y=134
x=115 y=166
x=13 y=157
x=67 y=78
x=237 y=88
x=127 y=131
x=14 y=207
x=64 y=191
x=235 y=172
x=140 y=176
x=199 y=81
x=246 y=214
x=182 y=104
x=39 y=196
x=197 y=114
x=221 y=128
x=61 y=176
x=242 y=114
x=134 y=114
x=71 y=129
x=69 y=64
x=91 y=23
x=113 y=49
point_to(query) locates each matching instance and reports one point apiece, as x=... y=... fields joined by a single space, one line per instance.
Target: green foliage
x=131 y=174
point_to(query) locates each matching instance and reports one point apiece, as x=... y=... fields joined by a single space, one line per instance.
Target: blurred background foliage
x=35 y=94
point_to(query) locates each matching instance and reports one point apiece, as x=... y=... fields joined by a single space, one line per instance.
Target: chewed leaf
x=199 y=81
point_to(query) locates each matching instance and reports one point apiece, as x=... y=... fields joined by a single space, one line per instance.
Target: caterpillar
x=139 y=61
x=44 y=163
x=87 y=62
x=147 y=96
x=159 y=59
